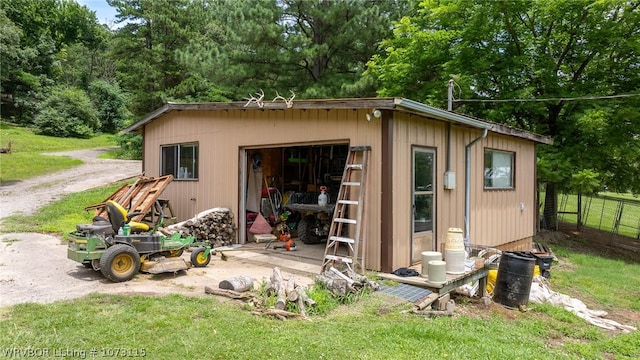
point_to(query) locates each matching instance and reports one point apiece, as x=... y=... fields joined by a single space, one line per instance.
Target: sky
x=105 y=13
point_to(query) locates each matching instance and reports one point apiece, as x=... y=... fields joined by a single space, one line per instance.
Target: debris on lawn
x=214 y=225
x=541 y=292
x=340 y=283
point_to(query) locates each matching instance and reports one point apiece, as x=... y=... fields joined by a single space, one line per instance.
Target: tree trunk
x=550 y=213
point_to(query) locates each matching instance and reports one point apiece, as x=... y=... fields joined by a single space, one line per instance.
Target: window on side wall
x=180 y=160
x=498 y=169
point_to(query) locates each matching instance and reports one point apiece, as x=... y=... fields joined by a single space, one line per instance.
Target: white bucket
x=437 y=273
x=455 y=261
x=455 y=240
x=426 y=257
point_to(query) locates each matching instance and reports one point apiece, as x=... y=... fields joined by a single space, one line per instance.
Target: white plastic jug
x=323 y=198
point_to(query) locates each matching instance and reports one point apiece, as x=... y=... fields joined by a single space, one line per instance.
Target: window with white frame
x=179 y=160
x=498 y=169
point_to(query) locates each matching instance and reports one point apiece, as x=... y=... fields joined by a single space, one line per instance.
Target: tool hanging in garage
x=354 y=175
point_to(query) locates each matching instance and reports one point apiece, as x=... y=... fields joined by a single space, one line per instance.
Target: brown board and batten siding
x=223 y=131
x=222 y=134
x=496 y=215
x=495 y=219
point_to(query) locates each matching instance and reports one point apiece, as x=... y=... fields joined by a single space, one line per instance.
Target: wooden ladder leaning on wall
x=354 y=175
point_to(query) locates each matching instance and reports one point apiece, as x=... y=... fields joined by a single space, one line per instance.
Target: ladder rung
x=348 y=202
x=351 y=183
x=342 y=239
x=345 y=221
x=354 y=166
x=339 y=258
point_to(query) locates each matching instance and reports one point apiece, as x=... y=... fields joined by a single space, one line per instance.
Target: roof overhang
x=395 y=104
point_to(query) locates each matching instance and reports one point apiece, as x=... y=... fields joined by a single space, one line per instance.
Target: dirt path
x=34 y=267
x=31 y=194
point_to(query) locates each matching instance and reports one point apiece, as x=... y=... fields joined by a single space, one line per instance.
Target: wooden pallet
x=137 y=197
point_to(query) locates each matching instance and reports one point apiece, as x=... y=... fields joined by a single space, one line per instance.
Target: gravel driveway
x=29 y=195
x=34 y=267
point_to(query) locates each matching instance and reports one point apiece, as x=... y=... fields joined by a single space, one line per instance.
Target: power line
x=550 y=99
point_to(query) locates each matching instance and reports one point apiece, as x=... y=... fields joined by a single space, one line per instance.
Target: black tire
x=198 y=259
x=120 y=263
x=305 y=230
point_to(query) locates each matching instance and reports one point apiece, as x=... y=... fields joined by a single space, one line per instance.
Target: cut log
x=301 y=307
x=228 y=293
x=239 y=283
x=336 y=286
x=280 y=287
x=292 y=294
x=430 y=299
x=340 y=275
x=302 y=293
x=279 y=313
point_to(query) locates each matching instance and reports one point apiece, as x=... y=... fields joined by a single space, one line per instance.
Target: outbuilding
x=429 y=169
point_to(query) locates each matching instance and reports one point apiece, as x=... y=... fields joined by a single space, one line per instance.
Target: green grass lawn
x=178 y=327
x=26 y=159
x=61 y=217
x=373 y=327
x=599 y=212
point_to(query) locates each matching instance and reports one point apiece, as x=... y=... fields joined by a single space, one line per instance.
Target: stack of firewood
x=341 y=283
x=287 y=291
x=214 y=225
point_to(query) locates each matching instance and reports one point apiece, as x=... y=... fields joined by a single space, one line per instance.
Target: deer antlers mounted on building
x=257 y=100
x=288 y=101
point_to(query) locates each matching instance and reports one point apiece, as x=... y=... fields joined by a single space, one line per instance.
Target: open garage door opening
x=283 y=185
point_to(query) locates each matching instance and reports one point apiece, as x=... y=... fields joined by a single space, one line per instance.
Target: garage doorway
x=273 y=177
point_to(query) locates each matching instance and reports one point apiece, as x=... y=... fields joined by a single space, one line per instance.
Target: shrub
x=67 y=112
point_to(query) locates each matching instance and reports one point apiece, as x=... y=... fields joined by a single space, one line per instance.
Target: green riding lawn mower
x=120 y=248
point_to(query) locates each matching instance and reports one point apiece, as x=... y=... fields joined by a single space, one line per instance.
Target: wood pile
x=215 y=226
x=286 y=292
x=341 y=283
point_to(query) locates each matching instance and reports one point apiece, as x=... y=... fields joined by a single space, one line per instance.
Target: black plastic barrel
x=513 y=282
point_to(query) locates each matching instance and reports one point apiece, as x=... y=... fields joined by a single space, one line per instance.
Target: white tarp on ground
x=540 y=292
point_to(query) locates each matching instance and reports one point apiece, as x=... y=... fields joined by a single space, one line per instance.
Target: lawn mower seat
x=118 y=216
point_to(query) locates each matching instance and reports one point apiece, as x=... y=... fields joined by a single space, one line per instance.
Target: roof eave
x=436 y=113
x=148 y=118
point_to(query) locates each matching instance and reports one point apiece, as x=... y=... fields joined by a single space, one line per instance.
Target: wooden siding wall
x=495 y=215
x=222 y=134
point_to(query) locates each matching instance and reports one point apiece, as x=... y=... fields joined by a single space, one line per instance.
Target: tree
x=37 y=32
x=111 y=105
x=206 y=50
x=321 y=48
x=145 y=48
x=531 y=50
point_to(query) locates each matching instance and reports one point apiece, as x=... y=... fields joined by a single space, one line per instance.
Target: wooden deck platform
x=452 y=282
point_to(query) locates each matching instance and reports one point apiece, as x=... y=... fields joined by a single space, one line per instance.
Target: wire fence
x=620 y=217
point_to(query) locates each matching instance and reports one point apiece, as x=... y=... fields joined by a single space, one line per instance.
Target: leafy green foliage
x=37 y=31
x=67 y=112
x=111 y=104
x=506 y=50
x=130 y=146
